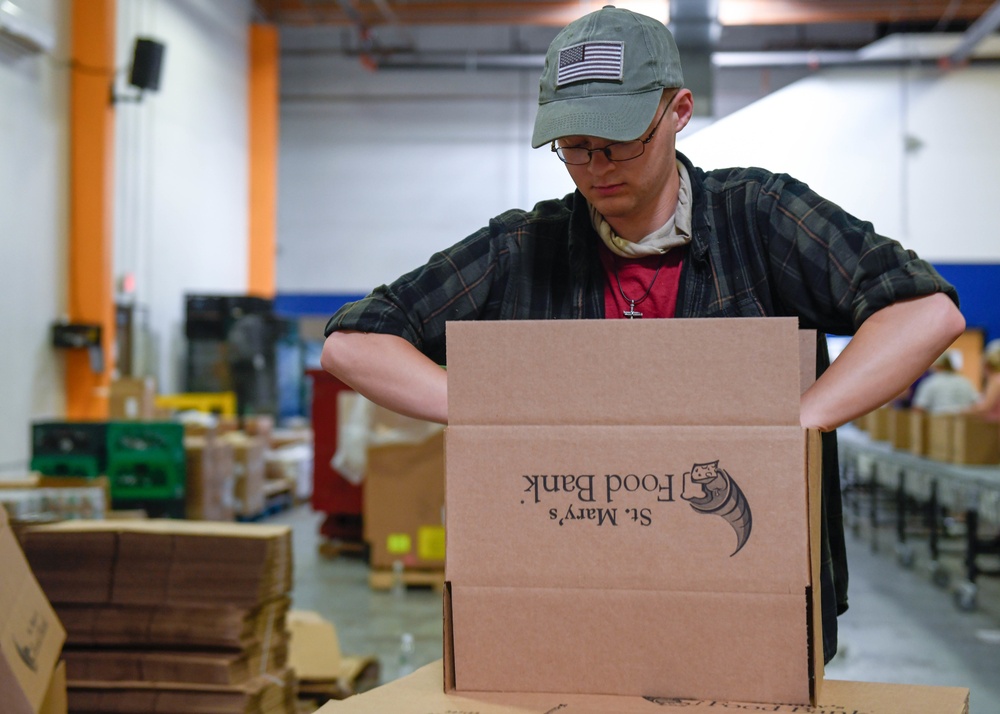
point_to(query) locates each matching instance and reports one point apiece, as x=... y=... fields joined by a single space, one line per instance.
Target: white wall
x=913 y=150
x=180 y=193
x=181 y=220
x=378 y=170
x=33 y=219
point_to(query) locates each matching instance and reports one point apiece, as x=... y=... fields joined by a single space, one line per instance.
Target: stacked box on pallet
x=156 y=611
x=210 y=494
x=248 y=473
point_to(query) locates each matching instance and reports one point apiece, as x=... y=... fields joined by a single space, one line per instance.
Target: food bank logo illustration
x=713 y=491
x=708 y=488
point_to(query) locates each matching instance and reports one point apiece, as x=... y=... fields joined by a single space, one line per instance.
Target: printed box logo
x=707 y=488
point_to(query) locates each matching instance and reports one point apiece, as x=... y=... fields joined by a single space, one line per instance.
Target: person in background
x=945 y=391
x=988 y=405
x=647 y=235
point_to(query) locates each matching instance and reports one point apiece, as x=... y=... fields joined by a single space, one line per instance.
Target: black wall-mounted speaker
x=147 y=64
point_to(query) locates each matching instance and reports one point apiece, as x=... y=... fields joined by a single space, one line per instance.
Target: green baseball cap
x=604 y=75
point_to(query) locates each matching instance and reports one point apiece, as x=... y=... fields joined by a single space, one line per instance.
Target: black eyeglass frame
x=606 y=150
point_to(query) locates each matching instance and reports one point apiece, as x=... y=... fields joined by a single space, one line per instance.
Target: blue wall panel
x=978 y=286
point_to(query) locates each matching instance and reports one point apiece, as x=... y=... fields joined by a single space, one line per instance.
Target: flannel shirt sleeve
x=831 y=268
x=455 y=284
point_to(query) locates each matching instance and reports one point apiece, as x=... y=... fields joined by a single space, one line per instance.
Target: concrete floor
x=900 y=627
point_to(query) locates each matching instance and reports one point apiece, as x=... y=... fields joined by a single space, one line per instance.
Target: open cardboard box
x=632 y=509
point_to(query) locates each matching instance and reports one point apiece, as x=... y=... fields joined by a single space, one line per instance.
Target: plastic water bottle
x=398 y=586
x=406 y=654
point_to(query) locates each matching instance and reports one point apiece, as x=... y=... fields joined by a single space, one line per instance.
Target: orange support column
x=263 y=132
x=90 y=296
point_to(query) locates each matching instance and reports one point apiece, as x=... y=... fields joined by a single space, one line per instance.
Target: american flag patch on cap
x=590 y=60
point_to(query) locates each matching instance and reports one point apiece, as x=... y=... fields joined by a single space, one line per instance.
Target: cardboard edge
x=449 y=640
x=814 y=475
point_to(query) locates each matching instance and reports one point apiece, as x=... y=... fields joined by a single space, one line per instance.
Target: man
x=649 y=235
x=944 y=391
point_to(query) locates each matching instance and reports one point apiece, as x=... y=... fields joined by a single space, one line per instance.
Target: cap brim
x=612 y=117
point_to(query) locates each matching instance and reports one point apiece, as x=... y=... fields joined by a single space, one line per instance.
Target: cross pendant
x=631 y=313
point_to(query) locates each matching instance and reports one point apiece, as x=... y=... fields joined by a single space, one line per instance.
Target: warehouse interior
x=189 y=189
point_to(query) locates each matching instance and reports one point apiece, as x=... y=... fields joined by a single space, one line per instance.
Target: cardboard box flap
x=591 y=507
x=31 y=636
x=625 y=372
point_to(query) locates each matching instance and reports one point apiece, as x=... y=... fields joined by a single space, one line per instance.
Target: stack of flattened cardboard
x=162 y=611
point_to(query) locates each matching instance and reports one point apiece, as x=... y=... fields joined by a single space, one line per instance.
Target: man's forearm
x=890 y=350
x=389 y=371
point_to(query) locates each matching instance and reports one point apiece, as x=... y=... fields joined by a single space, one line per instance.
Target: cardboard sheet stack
x=170 y=615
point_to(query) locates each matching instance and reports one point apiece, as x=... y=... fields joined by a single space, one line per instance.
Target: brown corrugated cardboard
x=132 y=398
x=919 y=441
x=165 y=665
x=878 y=423
x=403 y=504
x=582 y=557
x=267 y=694
x=179 y=627
x=314 y=650
x=420 y=693
x=899 y=428
x=249 y=471
x=31 y=636
x=209 y=489
x=55 y=696
x=975 y=441
x=160 y=562
x=940 y=433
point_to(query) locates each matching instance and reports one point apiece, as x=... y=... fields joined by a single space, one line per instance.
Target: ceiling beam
x=557 y=13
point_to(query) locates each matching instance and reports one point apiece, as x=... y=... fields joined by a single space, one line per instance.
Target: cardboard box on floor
x=420 y=693
x=403 y=504
x=31 y=636
x=630 y=510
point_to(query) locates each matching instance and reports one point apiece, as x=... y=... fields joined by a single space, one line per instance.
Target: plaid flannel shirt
x=763 y=244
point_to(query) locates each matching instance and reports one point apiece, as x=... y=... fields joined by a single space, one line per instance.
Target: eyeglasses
x=616 y=151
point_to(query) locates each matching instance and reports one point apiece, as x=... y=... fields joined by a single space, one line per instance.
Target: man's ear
x=683 y=108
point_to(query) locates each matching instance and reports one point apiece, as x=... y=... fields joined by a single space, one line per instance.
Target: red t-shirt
x=636 y=275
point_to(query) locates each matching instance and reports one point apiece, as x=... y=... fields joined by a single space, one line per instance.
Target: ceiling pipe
x=986 y=24
x=696 y=29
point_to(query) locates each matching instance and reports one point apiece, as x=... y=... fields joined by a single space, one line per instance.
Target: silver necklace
x=632 y=313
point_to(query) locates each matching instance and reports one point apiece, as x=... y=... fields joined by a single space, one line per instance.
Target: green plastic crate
x=82 y=465
x=146 y=461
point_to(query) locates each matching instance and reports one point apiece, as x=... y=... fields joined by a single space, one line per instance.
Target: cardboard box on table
x=975 y=441
x=900 y=435
x=879 y=423
x=630 y=510
x=421 y=693
x=940 y=434
x=31 y=636
x=919 y=437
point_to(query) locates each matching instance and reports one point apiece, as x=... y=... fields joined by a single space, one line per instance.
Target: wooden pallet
x=383 y=579
x=343 y=549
